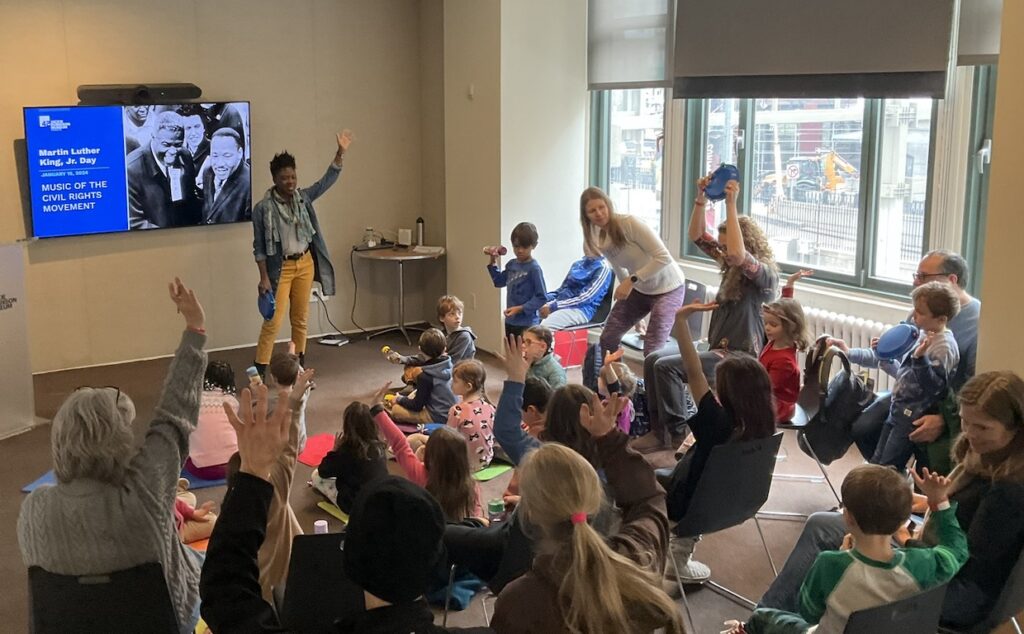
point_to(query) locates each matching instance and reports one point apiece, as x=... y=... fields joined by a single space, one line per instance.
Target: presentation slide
x=104 y=169
x=76 y=164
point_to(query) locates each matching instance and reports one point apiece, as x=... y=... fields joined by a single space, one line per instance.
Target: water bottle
x=496 y=511
x=419 y=232
x=254 y=376
x=320 y=527
x=369 y=238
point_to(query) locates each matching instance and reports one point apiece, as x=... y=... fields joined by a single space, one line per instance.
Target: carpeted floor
x=354 y=372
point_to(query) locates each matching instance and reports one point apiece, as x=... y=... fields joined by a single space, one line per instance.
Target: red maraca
x=495 y=251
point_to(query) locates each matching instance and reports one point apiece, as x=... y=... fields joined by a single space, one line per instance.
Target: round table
x=401 y=256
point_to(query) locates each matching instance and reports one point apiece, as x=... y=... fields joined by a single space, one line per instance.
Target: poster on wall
x=17 y=402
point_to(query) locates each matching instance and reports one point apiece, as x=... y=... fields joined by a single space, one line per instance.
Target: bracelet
x=941 y=506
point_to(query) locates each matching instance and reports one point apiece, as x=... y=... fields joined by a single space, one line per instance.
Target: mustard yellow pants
x=292 y=297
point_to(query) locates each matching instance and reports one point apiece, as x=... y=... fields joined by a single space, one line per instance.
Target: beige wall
x=472 y=137
x=543 y=126
x=1000 y=345
x=309 y=68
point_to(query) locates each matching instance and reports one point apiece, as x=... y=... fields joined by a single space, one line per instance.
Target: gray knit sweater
x=92 y=527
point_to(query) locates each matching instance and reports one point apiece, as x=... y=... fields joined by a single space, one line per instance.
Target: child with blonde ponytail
x=579 y=581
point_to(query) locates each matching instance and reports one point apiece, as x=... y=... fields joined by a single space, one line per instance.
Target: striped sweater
x=88 y=527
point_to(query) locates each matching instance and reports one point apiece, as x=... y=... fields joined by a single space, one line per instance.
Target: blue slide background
x=73 y=128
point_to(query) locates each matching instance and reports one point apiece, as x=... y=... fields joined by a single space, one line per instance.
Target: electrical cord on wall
x=355 y=292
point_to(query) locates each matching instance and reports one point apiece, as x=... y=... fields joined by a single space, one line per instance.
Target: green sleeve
x=820 y=581
x=769 y=621
x=932 y=566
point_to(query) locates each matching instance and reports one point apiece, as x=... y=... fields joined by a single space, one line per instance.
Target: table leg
x=401 y=301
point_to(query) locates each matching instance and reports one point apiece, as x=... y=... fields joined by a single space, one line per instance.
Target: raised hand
x=799 y=275
x=695 y=307
x=732 y=192
x=303 y=383
x=922 y=346
x=261 y=438
x=378 y=396
x=935 y=486
x=516 y=364
x=188 y=305
x=344 y=140
x=600 y=418
x=612 y=357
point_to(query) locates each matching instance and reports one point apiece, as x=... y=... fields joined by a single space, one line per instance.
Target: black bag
x=592 y=363
x=641 y=418
x=841 y=399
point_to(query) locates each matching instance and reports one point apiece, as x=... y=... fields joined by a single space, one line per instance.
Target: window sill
x=884 y=307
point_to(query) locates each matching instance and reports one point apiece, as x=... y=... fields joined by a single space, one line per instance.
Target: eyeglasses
x=117 y=395
x=920 y=277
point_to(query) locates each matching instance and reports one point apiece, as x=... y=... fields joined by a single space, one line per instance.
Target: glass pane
x=723 y=119
x=636 y=141
x=805 y=179
x=902 y=187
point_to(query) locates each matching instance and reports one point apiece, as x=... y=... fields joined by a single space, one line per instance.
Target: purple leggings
x=626 y=313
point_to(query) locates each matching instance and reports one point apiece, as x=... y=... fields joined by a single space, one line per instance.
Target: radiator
x=855 y=331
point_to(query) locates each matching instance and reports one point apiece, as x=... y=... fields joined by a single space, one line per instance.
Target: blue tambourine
x=897 y=341
x=265 y=302
x=715 y=189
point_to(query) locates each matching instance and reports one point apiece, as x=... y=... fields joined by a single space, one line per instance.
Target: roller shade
x=629 y=43
x=979 y=32
x=812 y=48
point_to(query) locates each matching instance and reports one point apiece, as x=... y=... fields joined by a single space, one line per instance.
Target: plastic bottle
x=320 y=527
x=369 y=237
x=496 y=511
x=419 y=232
x=254 y=376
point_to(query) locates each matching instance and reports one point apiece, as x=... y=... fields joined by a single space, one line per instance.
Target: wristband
x=941 y=506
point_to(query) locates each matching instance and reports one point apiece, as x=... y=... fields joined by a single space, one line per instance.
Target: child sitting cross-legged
x=359 y=456
x=868 y=571
x=433 y=380
x=473 y=417
x=444 y=470
x=538 y=350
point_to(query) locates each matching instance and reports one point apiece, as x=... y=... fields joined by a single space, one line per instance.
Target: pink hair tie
x=579 y=518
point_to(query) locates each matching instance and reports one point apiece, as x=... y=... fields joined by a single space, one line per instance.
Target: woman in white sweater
x=649 y=281
x=113 y=508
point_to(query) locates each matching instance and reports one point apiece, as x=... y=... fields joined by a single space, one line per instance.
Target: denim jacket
x=323 y=269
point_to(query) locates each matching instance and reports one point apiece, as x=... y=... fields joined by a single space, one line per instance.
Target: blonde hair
x=557 y=483
x=939 y=298
x=91 y=435
x=627 y=380
x=1000 y=395
x=791 y=314
x=613 y=230
x=756 y=244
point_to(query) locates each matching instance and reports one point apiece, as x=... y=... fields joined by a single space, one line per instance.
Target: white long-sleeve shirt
x=643 y=255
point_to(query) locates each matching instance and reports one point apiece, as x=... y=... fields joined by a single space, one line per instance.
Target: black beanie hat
x=394 y=542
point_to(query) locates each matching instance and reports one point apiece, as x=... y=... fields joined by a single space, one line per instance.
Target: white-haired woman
x=112 y=507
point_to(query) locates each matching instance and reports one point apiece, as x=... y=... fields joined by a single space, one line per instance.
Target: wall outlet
x=316 y=294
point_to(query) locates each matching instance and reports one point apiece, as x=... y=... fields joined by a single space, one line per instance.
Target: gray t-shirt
x=739 y=324
x=965 y=329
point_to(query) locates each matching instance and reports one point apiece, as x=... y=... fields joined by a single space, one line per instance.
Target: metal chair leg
x=764 y=543
x=682 y=592
x=483 y=604
x=800 y=438
x=1016 y=625
x=448 y=595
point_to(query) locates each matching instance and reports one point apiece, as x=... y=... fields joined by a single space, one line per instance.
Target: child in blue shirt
x=523 y=279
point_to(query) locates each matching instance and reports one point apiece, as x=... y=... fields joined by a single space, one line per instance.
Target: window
x=633 y=144
x=837 y=185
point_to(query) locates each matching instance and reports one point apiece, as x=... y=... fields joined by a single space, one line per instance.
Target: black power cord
x=355 y=293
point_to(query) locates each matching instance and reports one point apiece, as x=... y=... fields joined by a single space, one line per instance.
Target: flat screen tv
x=105 y=169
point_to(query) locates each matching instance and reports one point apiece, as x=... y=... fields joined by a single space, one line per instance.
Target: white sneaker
x=694 y=572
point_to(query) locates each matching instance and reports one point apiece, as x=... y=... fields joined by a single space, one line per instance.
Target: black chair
x=918 y=614
x=121 y=602
x=695 y=292
x=817 y=367
x=317 y=591
x=732 y=488
x=600 y=316
x=1009 y=604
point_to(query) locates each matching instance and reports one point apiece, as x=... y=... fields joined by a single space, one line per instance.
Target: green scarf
x=293 y=213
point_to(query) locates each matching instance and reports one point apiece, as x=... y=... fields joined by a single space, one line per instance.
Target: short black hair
x=231 y=134
x=952 y=264
x=281 y=161
x=536 y=392
x=524 y=235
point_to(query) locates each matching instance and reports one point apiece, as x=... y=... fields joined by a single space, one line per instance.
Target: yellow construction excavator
x=826 y=171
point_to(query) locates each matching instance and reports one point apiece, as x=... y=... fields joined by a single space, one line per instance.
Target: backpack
x=840 y=399
x=641 y=419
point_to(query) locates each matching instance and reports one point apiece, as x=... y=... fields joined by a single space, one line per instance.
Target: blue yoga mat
x=49 y=478
x=46 y=479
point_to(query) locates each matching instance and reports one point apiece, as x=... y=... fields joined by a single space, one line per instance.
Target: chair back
x=1010 y=602
x=733 y=486
x=695 y=292
x=605 y=307
x=318 y=592
x=121 y=602
x=918 y=614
